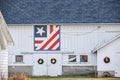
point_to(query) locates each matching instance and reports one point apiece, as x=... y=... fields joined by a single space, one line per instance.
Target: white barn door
x=47 y=68
x=39 y=69
x=117 y=65
x=56 y=68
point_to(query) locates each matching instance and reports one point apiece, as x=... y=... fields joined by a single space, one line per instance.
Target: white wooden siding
x=4 y=63
x=111 y=51
x=77 y=38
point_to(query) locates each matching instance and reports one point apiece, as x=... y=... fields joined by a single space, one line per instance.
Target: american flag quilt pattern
x=47 y=37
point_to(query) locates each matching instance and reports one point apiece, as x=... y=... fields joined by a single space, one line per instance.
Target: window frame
x=82 y=60
x=72 y=57
x=19 y=58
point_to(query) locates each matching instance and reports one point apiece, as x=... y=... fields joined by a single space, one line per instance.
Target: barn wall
x=87 y=35
x=76 y=39
x=26 y=59
x=72 y=37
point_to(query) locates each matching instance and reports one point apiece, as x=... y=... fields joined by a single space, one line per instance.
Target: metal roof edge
x=66 y=24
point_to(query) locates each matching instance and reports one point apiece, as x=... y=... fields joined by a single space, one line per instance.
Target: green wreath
x=40 y=61
x=53 y=60
x=106 y=59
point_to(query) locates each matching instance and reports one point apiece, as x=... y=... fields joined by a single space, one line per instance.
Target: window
x=19 y=58
x=72 y=58
x=83 y=58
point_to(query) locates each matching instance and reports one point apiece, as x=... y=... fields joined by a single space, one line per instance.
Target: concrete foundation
x=106 y=74
x=78 y=70
x=20 y=69
x=66 y=70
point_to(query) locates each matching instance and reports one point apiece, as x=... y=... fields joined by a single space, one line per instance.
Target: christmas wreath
x=53 y=60
x=40 y=61
x=106 y=59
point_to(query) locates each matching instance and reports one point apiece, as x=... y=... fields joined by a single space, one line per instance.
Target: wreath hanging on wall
x=106 y=59
x=53 y=60
x=40 y=61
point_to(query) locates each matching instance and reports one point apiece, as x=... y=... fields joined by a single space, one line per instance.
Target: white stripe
x=39 y=38
x=38 y=47
x=52 y=42
x=55 y=28
x=56 y=46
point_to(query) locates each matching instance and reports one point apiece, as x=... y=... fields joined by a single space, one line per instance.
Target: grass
x=25 y=77
x=71 y=78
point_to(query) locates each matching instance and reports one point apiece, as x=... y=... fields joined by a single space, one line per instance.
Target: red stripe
x=53 y=45
x=58 y=48
x=38 y=41
x=51 y=29
x=49 y=40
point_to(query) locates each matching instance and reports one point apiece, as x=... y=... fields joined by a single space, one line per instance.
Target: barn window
x=83 y=58
x=72 y=58
x=19 y=58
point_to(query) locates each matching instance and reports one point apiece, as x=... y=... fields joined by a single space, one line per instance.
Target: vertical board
x=39 y=69
x=117 y=65
x=54 y=69
x=4 y=64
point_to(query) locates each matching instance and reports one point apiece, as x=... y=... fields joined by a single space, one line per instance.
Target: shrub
x=20 y=76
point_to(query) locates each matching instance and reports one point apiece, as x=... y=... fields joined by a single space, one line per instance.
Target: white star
x=40 y=31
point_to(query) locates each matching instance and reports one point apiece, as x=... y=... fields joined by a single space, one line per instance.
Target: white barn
x=63 y=37
x=77 y=56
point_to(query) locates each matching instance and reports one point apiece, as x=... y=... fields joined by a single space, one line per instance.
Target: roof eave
x=105 y=44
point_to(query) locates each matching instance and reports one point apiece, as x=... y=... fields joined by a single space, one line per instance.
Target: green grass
x=71 y=78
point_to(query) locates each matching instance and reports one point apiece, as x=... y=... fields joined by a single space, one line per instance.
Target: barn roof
x=60 y=11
